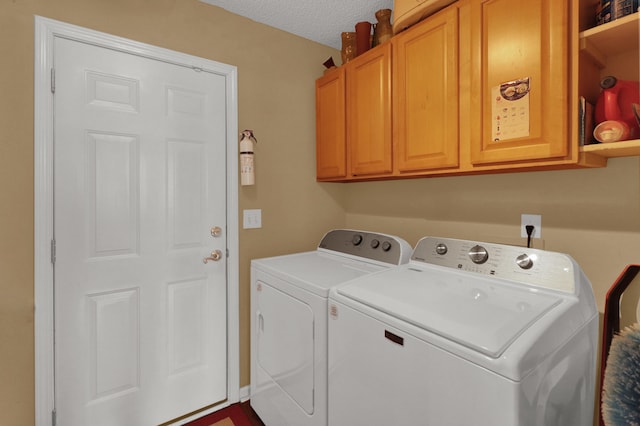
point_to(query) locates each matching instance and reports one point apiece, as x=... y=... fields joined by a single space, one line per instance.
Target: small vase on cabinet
x=348 y=46
x=363 y=37
x=384 y=31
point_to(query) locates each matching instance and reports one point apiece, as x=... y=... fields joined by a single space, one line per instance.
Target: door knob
x=215 y=256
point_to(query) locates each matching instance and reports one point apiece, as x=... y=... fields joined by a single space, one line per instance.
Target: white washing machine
x=465 y=334
x=289 y=320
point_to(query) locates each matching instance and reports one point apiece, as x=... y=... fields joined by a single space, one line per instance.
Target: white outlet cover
x=531 y=219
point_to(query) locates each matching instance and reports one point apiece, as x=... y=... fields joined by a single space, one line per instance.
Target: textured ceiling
x=318 y=20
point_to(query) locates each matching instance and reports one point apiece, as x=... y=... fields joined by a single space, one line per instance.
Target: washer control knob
x=441 y=248
x=478 y=254
x=386 y=246
x=524 y=261
x=375 y=244
x=356 y=240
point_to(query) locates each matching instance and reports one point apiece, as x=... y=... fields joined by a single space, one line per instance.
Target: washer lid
x=485 y=315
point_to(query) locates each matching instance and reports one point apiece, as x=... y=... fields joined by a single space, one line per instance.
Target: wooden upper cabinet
x=425 y=94
x=369 y=112
x=480 y=86
x=331 y=160
x=512 y=40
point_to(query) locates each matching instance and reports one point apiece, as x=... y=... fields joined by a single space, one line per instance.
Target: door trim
x=46 y=30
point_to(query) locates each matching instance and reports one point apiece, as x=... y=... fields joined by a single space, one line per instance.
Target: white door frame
x=45 y=32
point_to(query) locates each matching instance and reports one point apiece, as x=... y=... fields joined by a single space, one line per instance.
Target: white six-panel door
x=140 y=181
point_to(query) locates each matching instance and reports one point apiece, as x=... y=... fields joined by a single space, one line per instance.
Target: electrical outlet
x=531 y=219
x=252 y=219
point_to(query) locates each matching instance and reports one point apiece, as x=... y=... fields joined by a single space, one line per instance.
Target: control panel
x=530 y=266
x=368 y=245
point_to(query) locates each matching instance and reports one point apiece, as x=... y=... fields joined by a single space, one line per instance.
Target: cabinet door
x=512 y=40
x=331 y=162
x=369 y=112
x=425 y=101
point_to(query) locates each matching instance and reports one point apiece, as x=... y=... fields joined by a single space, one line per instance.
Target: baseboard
x=245 y=393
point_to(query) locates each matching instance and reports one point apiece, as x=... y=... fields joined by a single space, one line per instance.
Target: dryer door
x=284 y=329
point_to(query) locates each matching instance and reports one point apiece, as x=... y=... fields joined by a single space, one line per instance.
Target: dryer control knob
x=356 y=240
x=375 y=243
x=524 y=261
x=478 y=254
x=441 y=248
x=386 y=246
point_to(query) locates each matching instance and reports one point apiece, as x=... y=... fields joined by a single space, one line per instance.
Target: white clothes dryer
x=289 y=320
x=465 y=334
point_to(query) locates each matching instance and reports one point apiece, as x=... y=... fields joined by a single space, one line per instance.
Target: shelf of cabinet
x=614 y=149
x=611 y=38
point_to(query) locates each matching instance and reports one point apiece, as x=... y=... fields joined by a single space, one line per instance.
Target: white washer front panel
x=476 y=312
x=317 y=271
x=380 y=375
x=376 y=381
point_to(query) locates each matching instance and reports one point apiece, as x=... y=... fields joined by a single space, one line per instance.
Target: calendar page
x=510 y=109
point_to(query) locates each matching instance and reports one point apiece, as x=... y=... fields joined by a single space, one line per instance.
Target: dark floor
x=240 y=413
x=251 y=415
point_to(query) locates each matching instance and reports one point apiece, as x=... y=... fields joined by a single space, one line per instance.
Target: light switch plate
x=252 y=218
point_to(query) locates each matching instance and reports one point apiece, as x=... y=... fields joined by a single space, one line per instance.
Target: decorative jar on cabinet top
x=348 y=46
x=363 y=37
x=383 y=28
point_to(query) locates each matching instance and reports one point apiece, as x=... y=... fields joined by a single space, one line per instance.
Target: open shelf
x=614 y=149
x=609 y=49
x=610 y=39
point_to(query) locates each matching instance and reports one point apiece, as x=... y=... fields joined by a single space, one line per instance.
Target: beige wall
x=594 y=215
x=276 y=74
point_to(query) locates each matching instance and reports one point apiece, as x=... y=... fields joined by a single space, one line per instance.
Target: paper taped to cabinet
x=510 y=110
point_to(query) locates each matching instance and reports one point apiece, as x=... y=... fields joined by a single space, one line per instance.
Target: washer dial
x=524 y=261
x=478 y=254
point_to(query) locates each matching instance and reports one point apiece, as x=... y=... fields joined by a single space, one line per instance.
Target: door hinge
x=53 y=251
x=53 y=80
x=53 y=418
